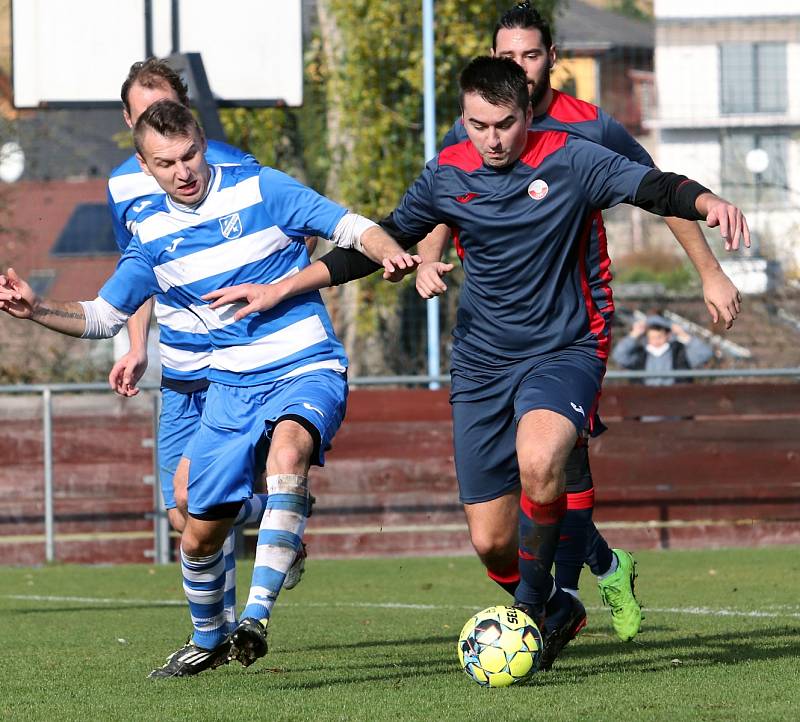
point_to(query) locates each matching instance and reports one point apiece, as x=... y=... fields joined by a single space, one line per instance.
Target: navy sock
x=598 y=553
x=539 y=527
x=557 y=609
x=508 y=578
x=571 y=552
x=573 y=542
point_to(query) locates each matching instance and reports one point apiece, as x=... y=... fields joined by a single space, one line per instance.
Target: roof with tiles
x=34 y=215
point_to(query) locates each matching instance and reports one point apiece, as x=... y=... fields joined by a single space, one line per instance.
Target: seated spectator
x=656 y=345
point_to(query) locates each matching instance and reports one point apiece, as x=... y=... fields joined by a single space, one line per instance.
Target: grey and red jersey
x=524 y=234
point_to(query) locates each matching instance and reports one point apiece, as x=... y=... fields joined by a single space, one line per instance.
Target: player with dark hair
x=530 y=346
x=525 y=37
x=278 y=378
x=151 y=74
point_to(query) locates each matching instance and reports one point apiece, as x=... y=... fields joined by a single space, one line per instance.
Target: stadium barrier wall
x=719 y=467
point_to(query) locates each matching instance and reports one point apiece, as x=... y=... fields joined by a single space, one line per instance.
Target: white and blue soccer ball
x=500 y=646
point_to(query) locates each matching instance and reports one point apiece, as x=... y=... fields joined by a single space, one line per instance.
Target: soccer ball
x=499 y=646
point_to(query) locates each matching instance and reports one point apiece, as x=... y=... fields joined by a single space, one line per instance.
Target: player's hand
x=127 y=372
x=258 y=297
x=722 y=298
x=398 y=267
x=311 y=244
x=730 y=219
x=16 y=296
x=429 y=278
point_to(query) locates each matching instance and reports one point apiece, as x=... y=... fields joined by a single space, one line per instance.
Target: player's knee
x=202 y=540
x=196 y=546
x=288 y=457
x=495 y=546
x=538 y=471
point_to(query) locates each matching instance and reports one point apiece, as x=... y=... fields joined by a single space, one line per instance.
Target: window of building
x=753 y=77
x=88 y=232
x=741 y=186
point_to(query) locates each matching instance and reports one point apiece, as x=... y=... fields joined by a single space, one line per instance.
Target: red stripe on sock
x=526 y=555
x=548 y=514
x=581 y=499
x=507 y=576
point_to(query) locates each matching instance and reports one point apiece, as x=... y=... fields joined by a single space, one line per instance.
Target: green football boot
x=617 y=592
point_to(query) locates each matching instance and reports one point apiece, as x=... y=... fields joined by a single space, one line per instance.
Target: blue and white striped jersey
x=183 y=341
x=249 y=229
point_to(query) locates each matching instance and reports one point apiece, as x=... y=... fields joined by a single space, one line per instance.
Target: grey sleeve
x=697 y=352
x=623 y=353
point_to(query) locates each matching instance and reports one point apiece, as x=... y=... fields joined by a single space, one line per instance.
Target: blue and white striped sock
x=279 y=538
x=251 y=511
x=203 y=582
x=229 y=589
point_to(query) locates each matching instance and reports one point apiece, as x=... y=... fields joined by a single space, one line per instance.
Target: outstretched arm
x=668 y=194
x=380 y=247
x=263 y=296
x=373 y=240
x=82 y=319
x=18 y=300
x=721 y=297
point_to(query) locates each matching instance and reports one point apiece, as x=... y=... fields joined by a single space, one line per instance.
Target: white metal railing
x=161 y=531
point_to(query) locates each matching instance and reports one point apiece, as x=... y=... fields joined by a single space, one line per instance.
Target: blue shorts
x=179 y=420
x=486 y=412
x=236 y=418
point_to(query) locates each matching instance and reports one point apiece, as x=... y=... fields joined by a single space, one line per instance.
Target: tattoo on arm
x=41 y=311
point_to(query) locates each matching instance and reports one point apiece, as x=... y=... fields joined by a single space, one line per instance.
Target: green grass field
x=375 y=640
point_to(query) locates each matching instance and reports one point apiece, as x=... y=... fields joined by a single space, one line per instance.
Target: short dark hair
x=153 y=73
x=167 y=118
x=524 y=17
x=499 y=81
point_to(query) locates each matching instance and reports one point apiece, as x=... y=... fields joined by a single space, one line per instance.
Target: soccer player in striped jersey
x=530 y=346
x=278 y=376
x=183 y=341
x=523 y=36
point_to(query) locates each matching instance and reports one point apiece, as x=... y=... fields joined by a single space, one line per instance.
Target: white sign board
x=79 y=51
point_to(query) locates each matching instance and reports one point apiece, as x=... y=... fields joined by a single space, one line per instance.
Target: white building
x=728 y=82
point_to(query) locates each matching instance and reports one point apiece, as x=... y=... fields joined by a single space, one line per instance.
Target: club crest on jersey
x=538 y=189
x=231 y=226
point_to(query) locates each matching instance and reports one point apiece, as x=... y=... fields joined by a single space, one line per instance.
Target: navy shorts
x=222 y=453
x=487 y=405
x=179 y=420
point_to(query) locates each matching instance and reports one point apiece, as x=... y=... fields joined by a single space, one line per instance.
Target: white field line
x=696 y=611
